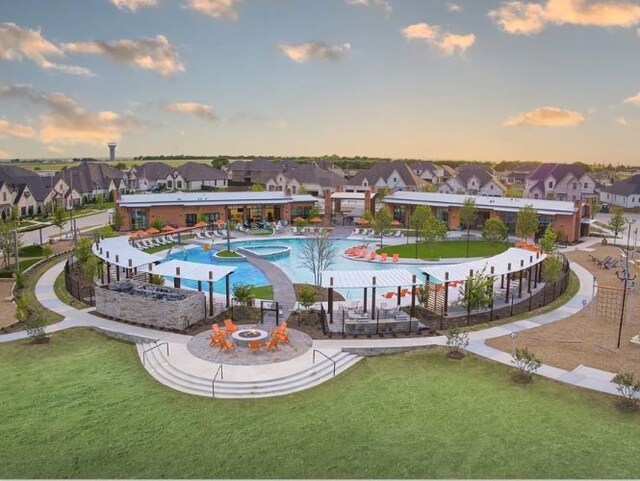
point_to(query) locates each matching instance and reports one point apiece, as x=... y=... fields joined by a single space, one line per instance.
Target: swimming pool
x=290 y=265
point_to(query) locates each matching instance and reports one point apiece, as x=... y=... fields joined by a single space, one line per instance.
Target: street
x=94 y=220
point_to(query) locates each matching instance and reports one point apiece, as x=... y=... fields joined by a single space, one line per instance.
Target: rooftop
x=211 y=198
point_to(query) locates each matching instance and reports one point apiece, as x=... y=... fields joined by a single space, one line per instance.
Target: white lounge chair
x=173 y=238
x=356 y=232
x=398 y=233
x=216 y=234
x=207 y=235
x=294 y=229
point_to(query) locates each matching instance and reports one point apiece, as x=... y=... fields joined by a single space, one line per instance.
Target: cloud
x=304 y=51
x=134 y=5
x=55 y=150
x=16 y=130
x=622 y=121
x=546 y=117
x=4 y=154
x=155 y=54
x=381 y=4
x=17 y=43
x=634 y=99
x=192 y=108
x=454 y=7
x=66 y=122
x=445 y=42
x=219 y=9
x=526 y=18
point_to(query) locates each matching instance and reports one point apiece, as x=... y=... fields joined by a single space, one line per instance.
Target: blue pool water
x=291 y=265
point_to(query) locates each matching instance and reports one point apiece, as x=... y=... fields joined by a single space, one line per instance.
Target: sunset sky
x=551 y=80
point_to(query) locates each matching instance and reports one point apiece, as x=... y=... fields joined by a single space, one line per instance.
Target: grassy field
x=56 y=166
x=83 y=407
x=445 y=250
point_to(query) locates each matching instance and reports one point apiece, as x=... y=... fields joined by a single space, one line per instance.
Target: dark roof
x=192 y=171
x=310 y=174
x=89 y=176
x=17 y=178
x=483 y=173
x=384 y=170
x=12 y=174
x=153 y=170
x=626 y=187
x=557 y=171
x=422 y=166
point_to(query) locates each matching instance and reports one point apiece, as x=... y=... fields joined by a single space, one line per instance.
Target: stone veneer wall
x=176 y=315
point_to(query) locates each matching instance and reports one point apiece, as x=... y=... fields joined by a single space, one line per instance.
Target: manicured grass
x=83 y=407
x=445 y=250
x=263 y=292
x=7 y=273
x=152 y=250
x=227 y=253
x=34 y=251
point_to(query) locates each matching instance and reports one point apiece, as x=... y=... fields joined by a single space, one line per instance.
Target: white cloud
x=16 y=130
x=155 y=54
x=622 y=121
x=302 y=52
x=66 y=122
x=446 y=42
x=454 y=7
x=218 y=9
x=134 y=5
x=4 y=154
x=55 y=150
x=634 y=99
x=192 y=108
x=17 y=43
x=381 y=4
x=527 y=18
x=546 y=117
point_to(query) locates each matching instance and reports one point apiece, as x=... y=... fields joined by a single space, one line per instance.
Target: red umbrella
x=316 y=219
x=220 y=222
x=395 y=222
x=362 y=221
x=298 y=219
x=167 y=228
x=201 y=224
x=153 y=230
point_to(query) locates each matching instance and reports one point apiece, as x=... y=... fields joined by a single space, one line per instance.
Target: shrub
x=243 y=293
x=526 y=364
x=156 y=280
x=307 y=296
x=18 y=277
x=628 y=388
x=456 y=341
x=34 y=323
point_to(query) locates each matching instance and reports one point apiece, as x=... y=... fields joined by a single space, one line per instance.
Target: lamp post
x=625 y=277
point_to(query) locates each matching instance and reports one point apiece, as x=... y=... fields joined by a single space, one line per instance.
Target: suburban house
x=624 y=194
x=255 y=171
x=474 y=180
x=91 y=179
x=6 y=200
x=394 y=175
x=432 y=173
x=199 y=176
x=328 y=166
x=310 y=178
x=25 y=189
x=560 y=182
x=152 y=176
x=149 y=176
x=520 y=173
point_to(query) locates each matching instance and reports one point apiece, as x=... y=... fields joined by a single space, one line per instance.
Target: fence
x=76 y=285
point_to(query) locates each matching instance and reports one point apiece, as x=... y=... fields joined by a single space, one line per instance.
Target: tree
x=302 y=190
x=617 y=223
x=116 y=220
x=313 y=212
x=456 y=341
x=6 y=241
x=257 y=188
x=418 y=220
x=548 y=240
x=526 y=222
x=243 y=293
x=88 y=262
x=156 y=280
x=596 y=206
x=552 y=268
x=468 y=215
x=157 y=223
x=59 y=218
x=382 y=222
x=495 y=231
x=120 y=166
x=318 y=253
x=477 y=292
x=433 y=230
x=526 y=364
x=430 y=188
x=219 y=163
x=628 y=388
x=307 y=296
x=382 y=192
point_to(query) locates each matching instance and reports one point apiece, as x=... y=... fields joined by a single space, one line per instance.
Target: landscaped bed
x=84 y=407
x=445 y=250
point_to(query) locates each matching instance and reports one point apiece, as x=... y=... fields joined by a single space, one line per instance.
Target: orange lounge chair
x=225 y=345
x=373 y=256
x=388 y=295
x=282 y=334
x=272 y=344
x=395 y=257
x=404 y=292
x=383 y=256
x=215 y=340
x=219 y=332
x=231 y=327
x=254 y=345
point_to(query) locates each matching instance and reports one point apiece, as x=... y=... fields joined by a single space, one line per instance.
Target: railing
x=219 y=371
x=82 y=291
x=320 y=352
x=144 y=353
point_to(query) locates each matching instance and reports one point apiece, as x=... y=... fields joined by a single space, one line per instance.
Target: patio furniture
x=225 y=345
x=281 y=333
x=373 y=256
x=272 y=344
x=254 y=345
x=219 y=332
x=231 y=327
x=395 y=257
x=383 y=257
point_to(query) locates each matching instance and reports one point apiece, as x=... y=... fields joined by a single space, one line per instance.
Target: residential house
x=199 y=176
x=255 y=171
x=328 y=166
x=91 y=179
x=25 y=189
x=6 y=200
x=394 y=175
x=520 y=173
x=149 y=176
x=312 y=179
x=623 y=194
x=560 y=182
x=474 y=179
x=432 y=173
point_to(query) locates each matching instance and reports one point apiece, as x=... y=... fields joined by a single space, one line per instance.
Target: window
x=491 y=186
x=575 y=185
x=550 y=184
x=586 y=185
x=293 y=189
x=4 y=197
x=178 y=184
x=169 y=184
x=395 y=179
x=535 y=196
x=191 y=219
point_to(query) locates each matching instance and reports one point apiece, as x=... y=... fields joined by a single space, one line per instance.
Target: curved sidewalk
x=582 y=376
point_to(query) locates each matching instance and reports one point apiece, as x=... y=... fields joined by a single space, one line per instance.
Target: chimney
x=367 y=201
x=328 y=211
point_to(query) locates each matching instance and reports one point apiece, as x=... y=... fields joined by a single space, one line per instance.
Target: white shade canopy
x=511 y=260
x=118 y=251
x=189 y=270
x=373 y=278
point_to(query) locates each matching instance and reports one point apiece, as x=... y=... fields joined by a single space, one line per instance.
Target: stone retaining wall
x=177 y=315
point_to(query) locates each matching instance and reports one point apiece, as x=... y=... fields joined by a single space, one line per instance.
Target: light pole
x=625 y=277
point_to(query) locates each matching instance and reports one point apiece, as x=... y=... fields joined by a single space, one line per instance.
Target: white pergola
x=118 y=251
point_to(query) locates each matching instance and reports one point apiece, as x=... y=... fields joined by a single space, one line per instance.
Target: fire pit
x=244 y=336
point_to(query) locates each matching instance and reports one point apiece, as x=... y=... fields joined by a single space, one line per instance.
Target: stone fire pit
x=244 y=336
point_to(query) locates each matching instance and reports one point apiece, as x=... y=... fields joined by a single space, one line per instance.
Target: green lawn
x=263 y=292
x=445 y=250
x=227 y=253
x=154 y=249
x=24 y=264
x=83 y=407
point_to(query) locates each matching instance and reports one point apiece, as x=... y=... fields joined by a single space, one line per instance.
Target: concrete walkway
x=582 y=376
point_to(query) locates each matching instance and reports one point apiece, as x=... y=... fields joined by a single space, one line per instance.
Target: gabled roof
x=557 y=171
x=383 y=170
x=193 y=171
x=153 y=170
x=423 y=166
x=89 y=176
x=483 y=173
x=630 y=186
x=310 y=174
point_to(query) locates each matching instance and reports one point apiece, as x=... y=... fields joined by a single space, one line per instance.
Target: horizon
x=490 y=81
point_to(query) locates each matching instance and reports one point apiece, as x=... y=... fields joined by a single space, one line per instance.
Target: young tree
x=382 y=222
x=477 y=292
x=243 y=293
x=495 y=231
x=526 y=364
x=15 y=213
x=382 y=192
x=433 y=230
x=628 y=388
x=157 y=223
x=548 y=240
x=116 y=220
x=307 y=296
x=313 y=212
x=302 y=190
x=617 y=223
x=596 y=206
x=418 y=220
x=6 y=241
x=468 y=215
x=257 y=188
x=552 y=268
x=526 y=222
x=456 y=341
x=430 y=188
x=318 y=253
x=59 y=218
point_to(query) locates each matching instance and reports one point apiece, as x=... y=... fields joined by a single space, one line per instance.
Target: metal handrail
x=320 y=352
x=152 y=348
x=215 y=377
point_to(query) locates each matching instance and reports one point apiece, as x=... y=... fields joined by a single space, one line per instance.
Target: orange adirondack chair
x=383 y=256
x=281 y=333
x=272 y=344
x=395 y=257
x=373 y=256
x=225 y=345
x=219 y=332
x=388 y=295
x=254 y=345
x=215 y=340
x=231 y=327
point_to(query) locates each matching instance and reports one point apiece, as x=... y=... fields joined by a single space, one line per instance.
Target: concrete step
x=165 y=372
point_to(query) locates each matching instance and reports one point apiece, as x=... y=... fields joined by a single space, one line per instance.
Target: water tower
x=112 y=150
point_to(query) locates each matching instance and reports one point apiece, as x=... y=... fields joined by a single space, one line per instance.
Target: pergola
x=117 y=251
x=513 y=260
x=366 y=280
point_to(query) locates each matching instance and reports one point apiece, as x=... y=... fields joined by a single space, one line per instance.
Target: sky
x=546 y=80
